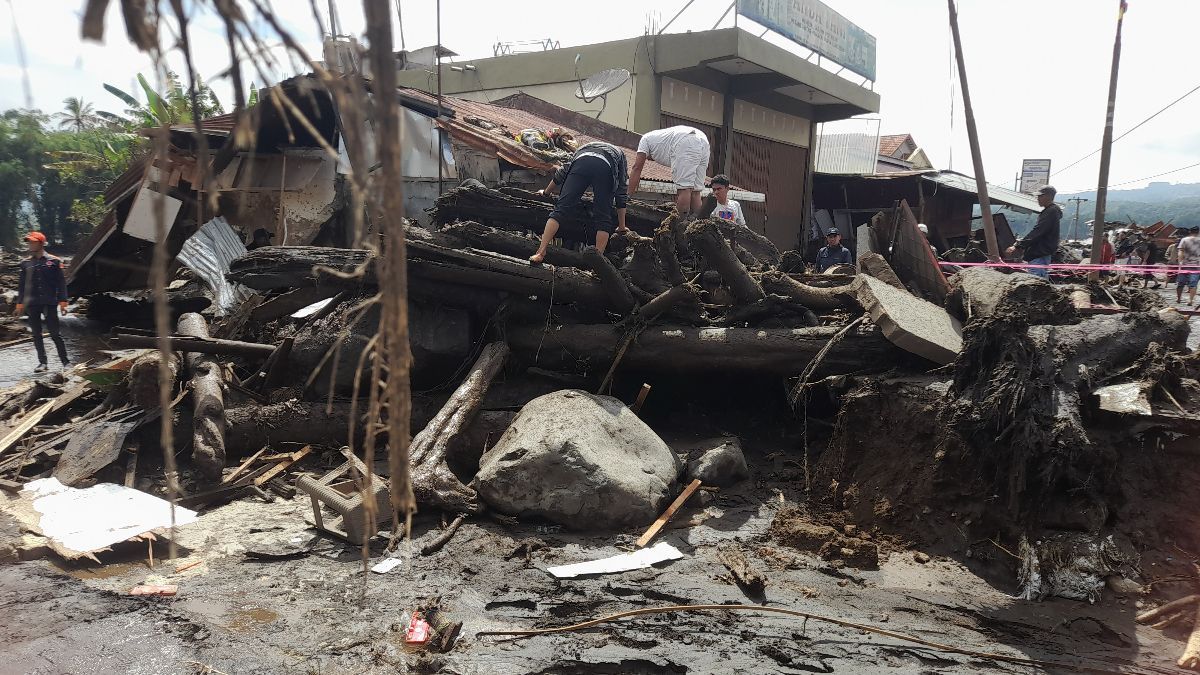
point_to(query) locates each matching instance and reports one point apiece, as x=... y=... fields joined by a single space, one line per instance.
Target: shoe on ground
x=41 y=368
x=66 y=364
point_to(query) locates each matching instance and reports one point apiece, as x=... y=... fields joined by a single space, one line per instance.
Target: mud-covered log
x=620 y=299
x=779 y=310
x=664 y=244
x=272 y=267
x=705 y=236
x=564 y=285
x=781 y=351
x=208 y=403
x=754 y=243
x=668 y=300
x=979 y=292
x=643 y=271
x=434 y=484
x=677 y=226
x=253 y=426
x=510 y=243
x=809 y=296
x=144 y=379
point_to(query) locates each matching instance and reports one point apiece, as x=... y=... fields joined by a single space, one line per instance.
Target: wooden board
x=669 y=513
x=283 y=466
x=30 y=421
x=244 y=465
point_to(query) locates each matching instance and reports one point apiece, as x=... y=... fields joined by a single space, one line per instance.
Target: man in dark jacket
x=833 y=253
x=42 y=289
x=1042 y=241
x=601 y=167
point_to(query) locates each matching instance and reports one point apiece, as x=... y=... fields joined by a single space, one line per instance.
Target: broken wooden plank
x=31 y=420
x=283 y=466
x=669 y=513
x=244 y=465
x=223 y=491
x=744 y=573
x=131 y=465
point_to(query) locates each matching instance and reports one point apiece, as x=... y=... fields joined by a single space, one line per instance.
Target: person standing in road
x=684 y=149
x=1189 y=265
x=833 y=253
x=42 y=290
x=601 y=167
x=727 y=209
x=1040 y=244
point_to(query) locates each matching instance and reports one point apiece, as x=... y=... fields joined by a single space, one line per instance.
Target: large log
x=979 y=292
x=664 y=244
x=620 y=299
x=517 y=209
x=471 y=234
x=144 y=380
x=434 y=484
x=705 y=236
x=754 y=243
x=780 y=351
x=296 y=266
x=643 y=271
x=809 y=296
x=208 y=403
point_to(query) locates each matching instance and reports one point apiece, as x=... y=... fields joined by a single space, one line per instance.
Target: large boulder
x=586 y=462
x=721 y=464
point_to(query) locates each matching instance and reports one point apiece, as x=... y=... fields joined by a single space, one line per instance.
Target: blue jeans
x=1039 y=271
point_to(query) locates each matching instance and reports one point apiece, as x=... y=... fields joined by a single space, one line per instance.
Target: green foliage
x=171 y=106
x=77 y=115
x=54 y=180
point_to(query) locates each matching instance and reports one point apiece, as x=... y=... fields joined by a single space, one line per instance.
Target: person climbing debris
x=601 y=167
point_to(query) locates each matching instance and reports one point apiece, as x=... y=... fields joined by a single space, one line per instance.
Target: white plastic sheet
x=660 y=552
x=100 y=516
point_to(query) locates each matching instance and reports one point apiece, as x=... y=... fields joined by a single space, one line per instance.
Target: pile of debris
x=1000 y=388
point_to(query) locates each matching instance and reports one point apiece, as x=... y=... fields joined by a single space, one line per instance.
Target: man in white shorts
x=685 y=150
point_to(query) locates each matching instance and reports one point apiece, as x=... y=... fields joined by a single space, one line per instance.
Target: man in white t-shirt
x=685 y=150
x=727 y=209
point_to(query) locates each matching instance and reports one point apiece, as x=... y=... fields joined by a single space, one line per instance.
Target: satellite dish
x=598 y=86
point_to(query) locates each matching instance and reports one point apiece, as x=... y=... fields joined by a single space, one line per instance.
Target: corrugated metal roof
x=514 y=121
x=996 y=194
x=221 y=125
x=208 y=253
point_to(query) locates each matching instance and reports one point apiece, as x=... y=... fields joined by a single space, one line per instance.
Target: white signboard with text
x=1035 y=175
x=812 y=24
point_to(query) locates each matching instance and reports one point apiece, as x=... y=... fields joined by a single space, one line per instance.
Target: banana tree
x=173 y=106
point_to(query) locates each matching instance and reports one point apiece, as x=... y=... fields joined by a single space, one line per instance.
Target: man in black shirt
x=601 y=167
x=1040 y=244
x=833 y=253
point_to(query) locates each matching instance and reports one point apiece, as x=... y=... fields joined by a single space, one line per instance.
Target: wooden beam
x=283 y=466
x=669 y=513
x=31 y=420
x=244 y=465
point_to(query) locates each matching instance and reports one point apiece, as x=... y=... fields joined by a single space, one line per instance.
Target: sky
x=1038 y=69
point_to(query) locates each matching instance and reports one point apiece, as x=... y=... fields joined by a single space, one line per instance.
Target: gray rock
x=584 y=461
x=722 y=465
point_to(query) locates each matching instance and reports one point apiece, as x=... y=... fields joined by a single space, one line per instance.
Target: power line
x=1194 y=90
x=1138 y=180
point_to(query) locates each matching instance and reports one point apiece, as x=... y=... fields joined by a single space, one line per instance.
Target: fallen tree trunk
x=754 y=243
x=517 y=245
x=809 y=296
x=664 y=244
x=979 y=292
x=780 y=351
x=272 y=267
x=706 y=237
x=253 y=426
x=197 y=345
x=644 y=271
x=208 y=403
x=620 y=299
x=144 y=380
x=434 y=484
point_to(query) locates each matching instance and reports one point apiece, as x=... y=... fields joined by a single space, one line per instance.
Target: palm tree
x=77 y=114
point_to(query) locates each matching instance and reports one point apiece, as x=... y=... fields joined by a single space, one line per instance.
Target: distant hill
x=1178 y=204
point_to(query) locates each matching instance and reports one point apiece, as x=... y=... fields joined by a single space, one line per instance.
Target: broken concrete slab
x=580 y=460
x=875 y=265
x=913 y=324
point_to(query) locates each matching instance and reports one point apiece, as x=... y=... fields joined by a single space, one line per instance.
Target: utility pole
x=1106 y=147
x=985 y=204
x=1075 y=227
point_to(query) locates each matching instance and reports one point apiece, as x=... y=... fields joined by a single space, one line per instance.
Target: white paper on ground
x=660 y=552
x=99 y=516
x=305 y=312
x=386 y=565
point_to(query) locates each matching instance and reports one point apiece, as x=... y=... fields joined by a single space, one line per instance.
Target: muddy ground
x=319 y=612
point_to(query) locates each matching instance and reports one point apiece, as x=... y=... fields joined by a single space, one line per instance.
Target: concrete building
x=757 y=102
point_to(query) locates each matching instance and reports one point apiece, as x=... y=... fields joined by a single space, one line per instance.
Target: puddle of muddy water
x=235 y=619
x=102 y=572
x=248 y=619
x=83 y=339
